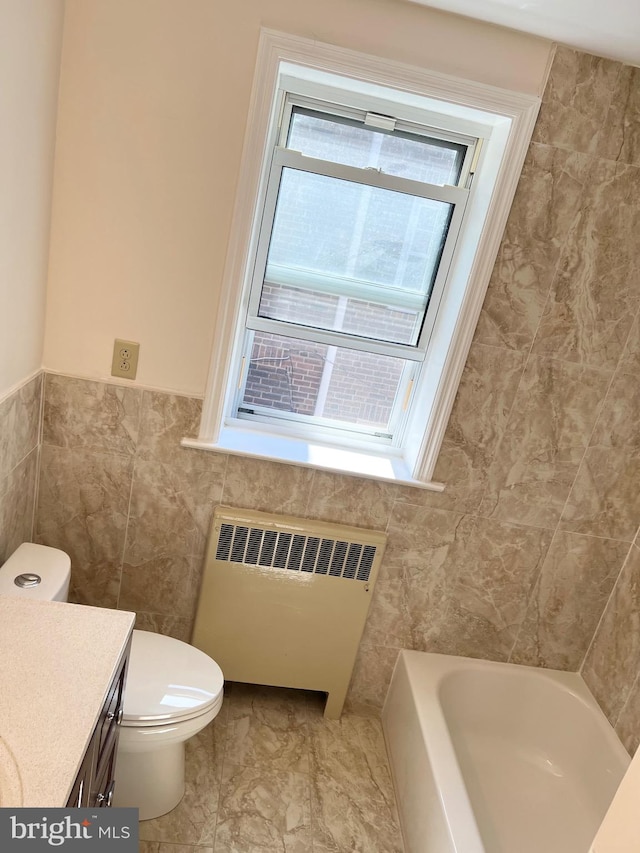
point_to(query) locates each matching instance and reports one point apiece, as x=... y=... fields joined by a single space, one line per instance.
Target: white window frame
x=503 y=119
x=413 y=354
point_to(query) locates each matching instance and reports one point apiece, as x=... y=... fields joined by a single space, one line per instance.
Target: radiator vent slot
x=297 y=552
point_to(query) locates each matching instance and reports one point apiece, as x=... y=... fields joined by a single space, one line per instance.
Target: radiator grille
x=256 y=546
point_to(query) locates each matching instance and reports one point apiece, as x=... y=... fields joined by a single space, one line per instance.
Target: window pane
x=379 y=248
x=420 y=158
x=324 y=382
x=340 y=313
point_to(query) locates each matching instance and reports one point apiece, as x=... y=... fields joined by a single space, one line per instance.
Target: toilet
x=173 y=691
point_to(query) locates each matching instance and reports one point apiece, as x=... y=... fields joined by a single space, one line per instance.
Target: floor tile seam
x=267 y=766
x=377 y=759
x=264 y=767
x=275 y=849
x=361 y=805
x=359 y=785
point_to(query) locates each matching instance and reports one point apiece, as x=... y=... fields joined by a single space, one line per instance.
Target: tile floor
x=271 y=774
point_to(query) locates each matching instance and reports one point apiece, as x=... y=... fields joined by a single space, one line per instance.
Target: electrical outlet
x=125 y=359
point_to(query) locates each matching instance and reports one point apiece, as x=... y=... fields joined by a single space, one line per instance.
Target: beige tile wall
x=19 y=446
x=518 y=558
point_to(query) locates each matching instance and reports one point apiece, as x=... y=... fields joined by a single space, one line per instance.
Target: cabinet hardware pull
x=106 y=799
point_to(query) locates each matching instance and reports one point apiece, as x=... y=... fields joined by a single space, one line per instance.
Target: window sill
x=324 y=457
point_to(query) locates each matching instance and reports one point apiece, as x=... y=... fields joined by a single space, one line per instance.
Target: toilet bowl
x=173 y=691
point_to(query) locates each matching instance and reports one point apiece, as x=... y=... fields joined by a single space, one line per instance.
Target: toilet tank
x=36 y=571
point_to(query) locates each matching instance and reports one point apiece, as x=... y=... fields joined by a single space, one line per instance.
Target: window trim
x=510 y=116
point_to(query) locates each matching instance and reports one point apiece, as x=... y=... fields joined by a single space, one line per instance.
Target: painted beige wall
x=154 y=95
x=30 y=44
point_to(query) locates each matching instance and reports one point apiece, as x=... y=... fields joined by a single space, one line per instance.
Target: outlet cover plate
x=125 y=359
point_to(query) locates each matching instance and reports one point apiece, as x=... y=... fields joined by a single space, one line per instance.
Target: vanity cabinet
x=95 y=782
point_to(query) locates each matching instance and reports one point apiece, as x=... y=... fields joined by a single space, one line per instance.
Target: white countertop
x=57 y=661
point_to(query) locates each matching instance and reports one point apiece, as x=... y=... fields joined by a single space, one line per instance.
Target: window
x=361 y=217
x=368 y=219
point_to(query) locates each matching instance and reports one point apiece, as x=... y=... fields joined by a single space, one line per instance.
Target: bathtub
x=497 y=758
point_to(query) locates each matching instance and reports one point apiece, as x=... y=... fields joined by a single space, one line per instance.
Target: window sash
x=314 y=427
x=286 y=158
x=412 y=128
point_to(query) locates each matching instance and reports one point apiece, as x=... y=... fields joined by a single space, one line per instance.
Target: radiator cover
x=284 y=600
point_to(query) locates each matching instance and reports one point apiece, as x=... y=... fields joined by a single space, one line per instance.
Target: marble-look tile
x=351 y=500
x=343 y=802
x=563 y=613
x=429 y=597
x=594 y=296
x=171 y=509
x=95 y=415
x=628 y=723
x=166 y=585
x=160 y=847
x=270 y=732
x=619 y=423
x=353 y=804
x=613 y=660
x=552 y=418
x=19 y=425
x=372 y=739
x=17 y=505
x=418 y=541
x=576 y=101
x=83 y=502
x=417 y=555
x=267 y=486
x=370 y=679
x=289 y=703
x=263 y=811
x=478 y=419
x=622 y=140
x=630 y=359
x=165 y=419
x=605 y=499
x=493 y=567
x=463 y=478
x=546 y=202
x=193 y=821
x=335 y=746
x=388 y=618
x=159 y=623
x=353 y=745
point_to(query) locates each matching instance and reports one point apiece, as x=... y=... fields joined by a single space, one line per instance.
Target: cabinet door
x=95 y=783
x=79 y=797
x=111 y=716
x=103 y=785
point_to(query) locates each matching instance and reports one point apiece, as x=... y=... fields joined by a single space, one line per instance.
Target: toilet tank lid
x=53 y=566
x=168 y=680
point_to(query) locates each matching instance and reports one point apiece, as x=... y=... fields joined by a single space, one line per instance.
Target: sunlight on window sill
x=324 y=457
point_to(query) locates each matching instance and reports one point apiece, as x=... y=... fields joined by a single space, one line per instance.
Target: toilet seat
x=169 y=682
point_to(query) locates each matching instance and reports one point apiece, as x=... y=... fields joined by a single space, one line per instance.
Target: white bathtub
x=497 y=758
